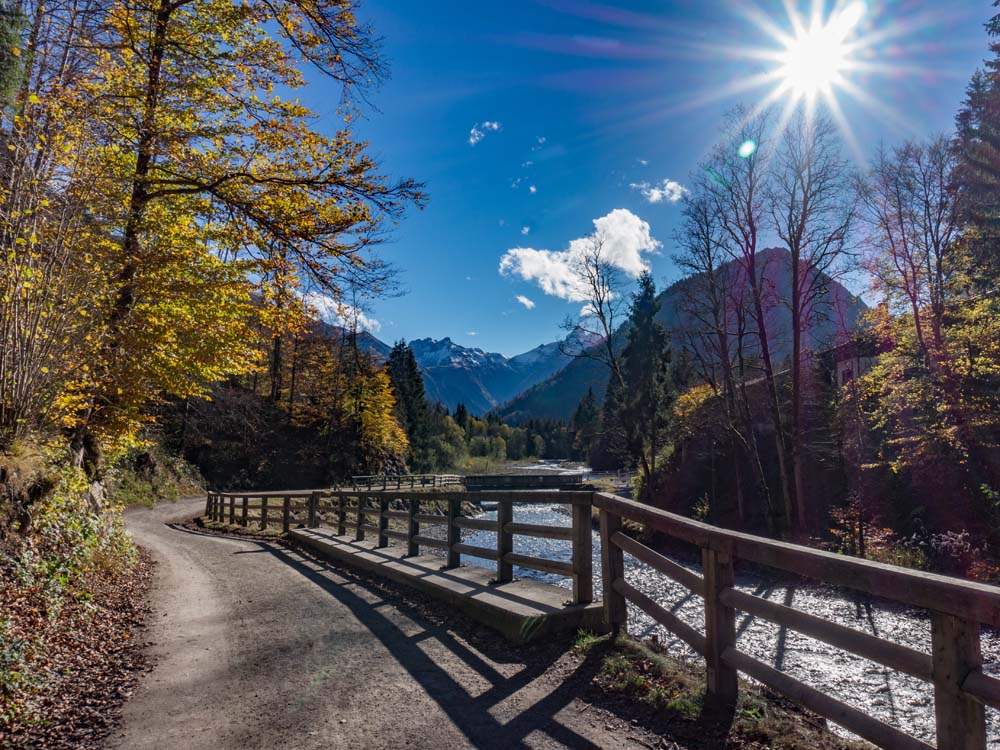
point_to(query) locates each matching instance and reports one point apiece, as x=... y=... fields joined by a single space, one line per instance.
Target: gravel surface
x=257 y=645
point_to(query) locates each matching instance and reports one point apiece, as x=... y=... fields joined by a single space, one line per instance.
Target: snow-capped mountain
x=455 y=374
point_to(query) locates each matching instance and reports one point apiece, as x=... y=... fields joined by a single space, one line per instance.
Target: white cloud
x=339 y=314
x=541 y=140
x=624 y=236
x=479 y=131
x=517 y=183
x=644 y=162
x=525 y=230
x=528 y=164
x=532 y=189
x=528 y=303
x=472 y=333
x=667 y=190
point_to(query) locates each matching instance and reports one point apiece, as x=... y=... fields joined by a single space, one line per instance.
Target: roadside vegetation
x=671 y=695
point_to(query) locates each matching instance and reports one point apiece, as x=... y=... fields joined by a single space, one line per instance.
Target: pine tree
x=586 y=425
x=411 y=405
x=646 y=369
x=977 y=146
x=611 y=450
x=462 y=417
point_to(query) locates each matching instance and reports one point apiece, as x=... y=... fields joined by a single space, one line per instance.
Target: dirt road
x=260 y=646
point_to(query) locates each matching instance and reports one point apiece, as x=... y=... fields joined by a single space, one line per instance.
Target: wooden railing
x=364 y=513
x=958 y=609
x=399 y=481
x=268 y=508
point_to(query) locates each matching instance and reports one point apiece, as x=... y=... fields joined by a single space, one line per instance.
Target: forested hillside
x=838 y=313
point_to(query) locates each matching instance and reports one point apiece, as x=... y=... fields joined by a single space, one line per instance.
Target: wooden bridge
x=958 y=608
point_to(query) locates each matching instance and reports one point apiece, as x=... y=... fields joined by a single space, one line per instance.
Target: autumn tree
x=738 y=190
x=208 y=154
x=715 y=331
x=812 y=211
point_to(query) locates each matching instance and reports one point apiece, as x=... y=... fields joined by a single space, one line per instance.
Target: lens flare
x=747 y=149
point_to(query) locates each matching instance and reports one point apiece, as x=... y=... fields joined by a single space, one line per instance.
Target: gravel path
x=260 y=646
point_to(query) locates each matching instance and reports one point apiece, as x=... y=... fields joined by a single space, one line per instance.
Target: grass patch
x=668 y=696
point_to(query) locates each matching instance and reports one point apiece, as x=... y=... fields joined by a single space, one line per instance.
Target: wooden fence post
x=720 y=628
x=505 y=541
x=454 y=533
x=613 y=568
x=313 y=514
x=412 y=527
x=383 y=521
x=232 y=510
x=263 y=513
x=342 y=516
x=359 y=533
x=286 y=513
x=583 y=555
x=244 y=509
x=960 y=719
x=208 y=504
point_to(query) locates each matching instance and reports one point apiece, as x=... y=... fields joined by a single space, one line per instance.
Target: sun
x=816 y=58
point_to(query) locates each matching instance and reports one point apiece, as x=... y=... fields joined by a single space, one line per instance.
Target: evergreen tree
x=11 y=55
x=411 y=406
x=610 y=451
x=647 y=397
x=462 y=417
x=977 y=146
x=586 y=425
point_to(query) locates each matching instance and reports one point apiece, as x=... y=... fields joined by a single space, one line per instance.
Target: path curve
x=259 y=646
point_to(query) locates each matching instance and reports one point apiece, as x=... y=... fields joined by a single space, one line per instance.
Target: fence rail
x=399 y=481
x=958 y=608
x=369 y=513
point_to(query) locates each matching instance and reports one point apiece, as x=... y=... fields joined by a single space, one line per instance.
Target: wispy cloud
x=479 y=131
x=528 y=303
x=644 y=162
x=625 y=239
x=339 y=314
x=472 y=333
x=525 y=230
x=532 y=189
x=666 y=190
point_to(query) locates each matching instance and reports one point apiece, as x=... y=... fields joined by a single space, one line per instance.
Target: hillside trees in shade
x=716 y=336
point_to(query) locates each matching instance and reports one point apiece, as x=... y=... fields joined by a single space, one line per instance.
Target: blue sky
x=582 y=101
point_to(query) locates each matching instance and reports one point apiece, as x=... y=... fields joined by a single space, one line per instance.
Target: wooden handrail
x=958 y=609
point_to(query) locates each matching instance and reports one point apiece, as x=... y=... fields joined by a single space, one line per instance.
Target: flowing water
x=898 y=699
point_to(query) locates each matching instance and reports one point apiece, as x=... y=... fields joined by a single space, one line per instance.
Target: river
x=896 y=698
